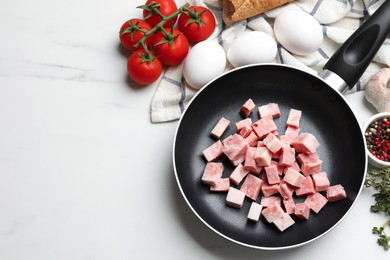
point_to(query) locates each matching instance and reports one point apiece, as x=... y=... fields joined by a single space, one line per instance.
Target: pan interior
x=325 y=114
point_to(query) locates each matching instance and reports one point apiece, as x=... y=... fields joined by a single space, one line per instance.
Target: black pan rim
x=234 y=240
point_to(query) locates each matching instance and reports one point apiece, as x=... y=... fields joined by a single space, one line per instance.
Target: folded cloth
x=339 y=19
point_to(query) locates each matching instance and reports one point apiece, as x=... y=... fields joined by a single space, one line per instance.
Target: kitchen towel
x=338 y=18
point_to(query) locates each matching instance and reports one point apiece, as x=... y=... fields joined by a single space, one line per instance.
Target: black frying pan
x=326 y=114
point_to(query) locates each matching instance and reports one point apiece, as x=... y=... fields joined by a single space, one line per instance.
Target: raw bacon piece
x=272 y=143
x=251 y=186
x=245 y=131
x=302 y=211
x=273 y=212
x=271 y=109
x=284 y=222
x=234 y=147
x=263 y=156
x=289 y=205
x=269 y=201
x=292 y=131
x=212 y=173
x=222 y=185
x=310 y=163
x=293 y=177
x=316 y=201
x=269 y=189
x=306 y=188
x=336 y=192
x=305 y=143
x=238 y=174
x=235 y=198
x=252 y=139
x=214 y=151
x=254 y=211
x=272 y=174
x=285 y=190
x=287 y=156
x=278 y=167
x=243 y=123
x=264 y=126
x=250 y=163
x=294 y=117
x=247 y=108
x=220 y=127
x=321 y=181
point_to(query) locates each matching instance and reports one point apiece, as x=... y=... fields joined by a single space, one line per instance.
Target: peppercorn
x=377 y=137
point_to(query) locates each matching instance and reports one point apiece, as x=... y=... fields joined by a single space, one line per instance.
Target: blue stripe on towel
x=183 y=96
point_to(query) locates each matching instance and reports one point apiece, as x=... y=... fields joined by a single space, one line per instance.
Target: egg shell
x=298 y=32
x=205 y=61
x=252 y=47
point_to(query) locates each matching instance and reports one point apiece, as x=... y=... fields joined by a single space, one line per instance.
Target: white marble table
x=77 y=149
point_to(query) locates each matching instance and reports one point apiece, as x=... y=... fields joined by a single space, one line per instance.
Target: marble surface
x=83 y=172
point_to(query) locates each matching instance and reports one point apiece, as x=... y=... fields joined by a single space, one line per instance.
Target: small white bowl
x=372 y=159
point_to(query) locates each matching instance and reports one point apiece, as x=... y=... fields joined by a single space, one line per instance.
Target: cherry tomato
x=143 y=69
x=166 y=8
x=131 y=33
x=197 y=23
x=171 y=49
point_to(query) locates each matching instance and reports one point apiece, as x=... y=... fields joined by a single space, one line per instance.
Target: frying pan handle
x=353 y=57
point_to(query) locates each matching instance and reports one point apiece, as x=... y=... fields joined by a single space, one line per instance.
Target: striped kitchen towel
x=339 y=19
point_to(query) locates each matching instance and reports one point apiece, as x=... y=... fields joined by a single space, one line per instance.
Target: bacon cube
x=285 y=189
x=254 y=211
x=292 y=131
x=305 y=143
x=294 y=117
x=222 y=185
x=220 y=127
x=252 y=139
x=269 y=201
x=269 y=189
x=293 y=177
x=238 y=174
x=247 y=108
x=271 y=109
x=306 y=188
x=250 y=163
x=234 y=147
x=243 y=123
x=336 y=192
x=251 y=186
x=273 y=212
x=302 y=211
x=310 y=163
x=284 y=222
x=214 y=151
x=263 y=156
x=212 y=173
x=289 y=205
x=321 y=181
x=278 y=167
x=287 y=156
x=316 y=201
x=235 y=198
x=264 y=126
x=272 y=143
x=272 y=174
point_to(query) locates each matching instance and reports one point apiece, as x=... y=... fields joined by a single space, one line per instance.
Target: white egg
x=298 y=32
x=252 y=47
x=205 y=61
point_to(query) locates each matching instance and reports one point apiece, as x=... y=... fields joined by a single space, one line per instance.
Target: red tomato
x=166 y=8
x=197 y=23
x=171 y=49
x=143 y=69
x=130 y=34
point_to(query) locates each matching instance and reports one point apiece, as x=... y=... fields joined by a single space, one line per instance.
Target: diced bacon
x=254 y=211
x=302 y=211
x=245 y=131
x=273 y=212
x=336 y=192
x=235 y=198
x=272 y=174
x=242 y=123
x=252 y=139
x=276 y=155
x=222 y=185
x=263 y=156
x=270 y=200
x=220 y=127
x=250 y=163
x=234 y=147
x=285 y=189
x=295 y=166
x=292 y=132
x=321 y=181
x=212 y=173
x=272 y=143
x=284 y=222
x=306 y=188
x=316 y=201
x=238 y=174
x=269 y=189
x=247 y=108
x=264 y=126
x=278 y=167
x=294 y=117
x=293 y=177
x=287 y=156
x=305 y=143
x=271 y=109
x=289 y=205
x=251 y=186
x=310 y=163
x=214 y=151
x=286 y=140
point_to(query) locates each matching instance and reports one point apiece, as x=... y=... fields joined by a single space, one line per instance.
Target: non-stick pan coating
x=325 y=114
